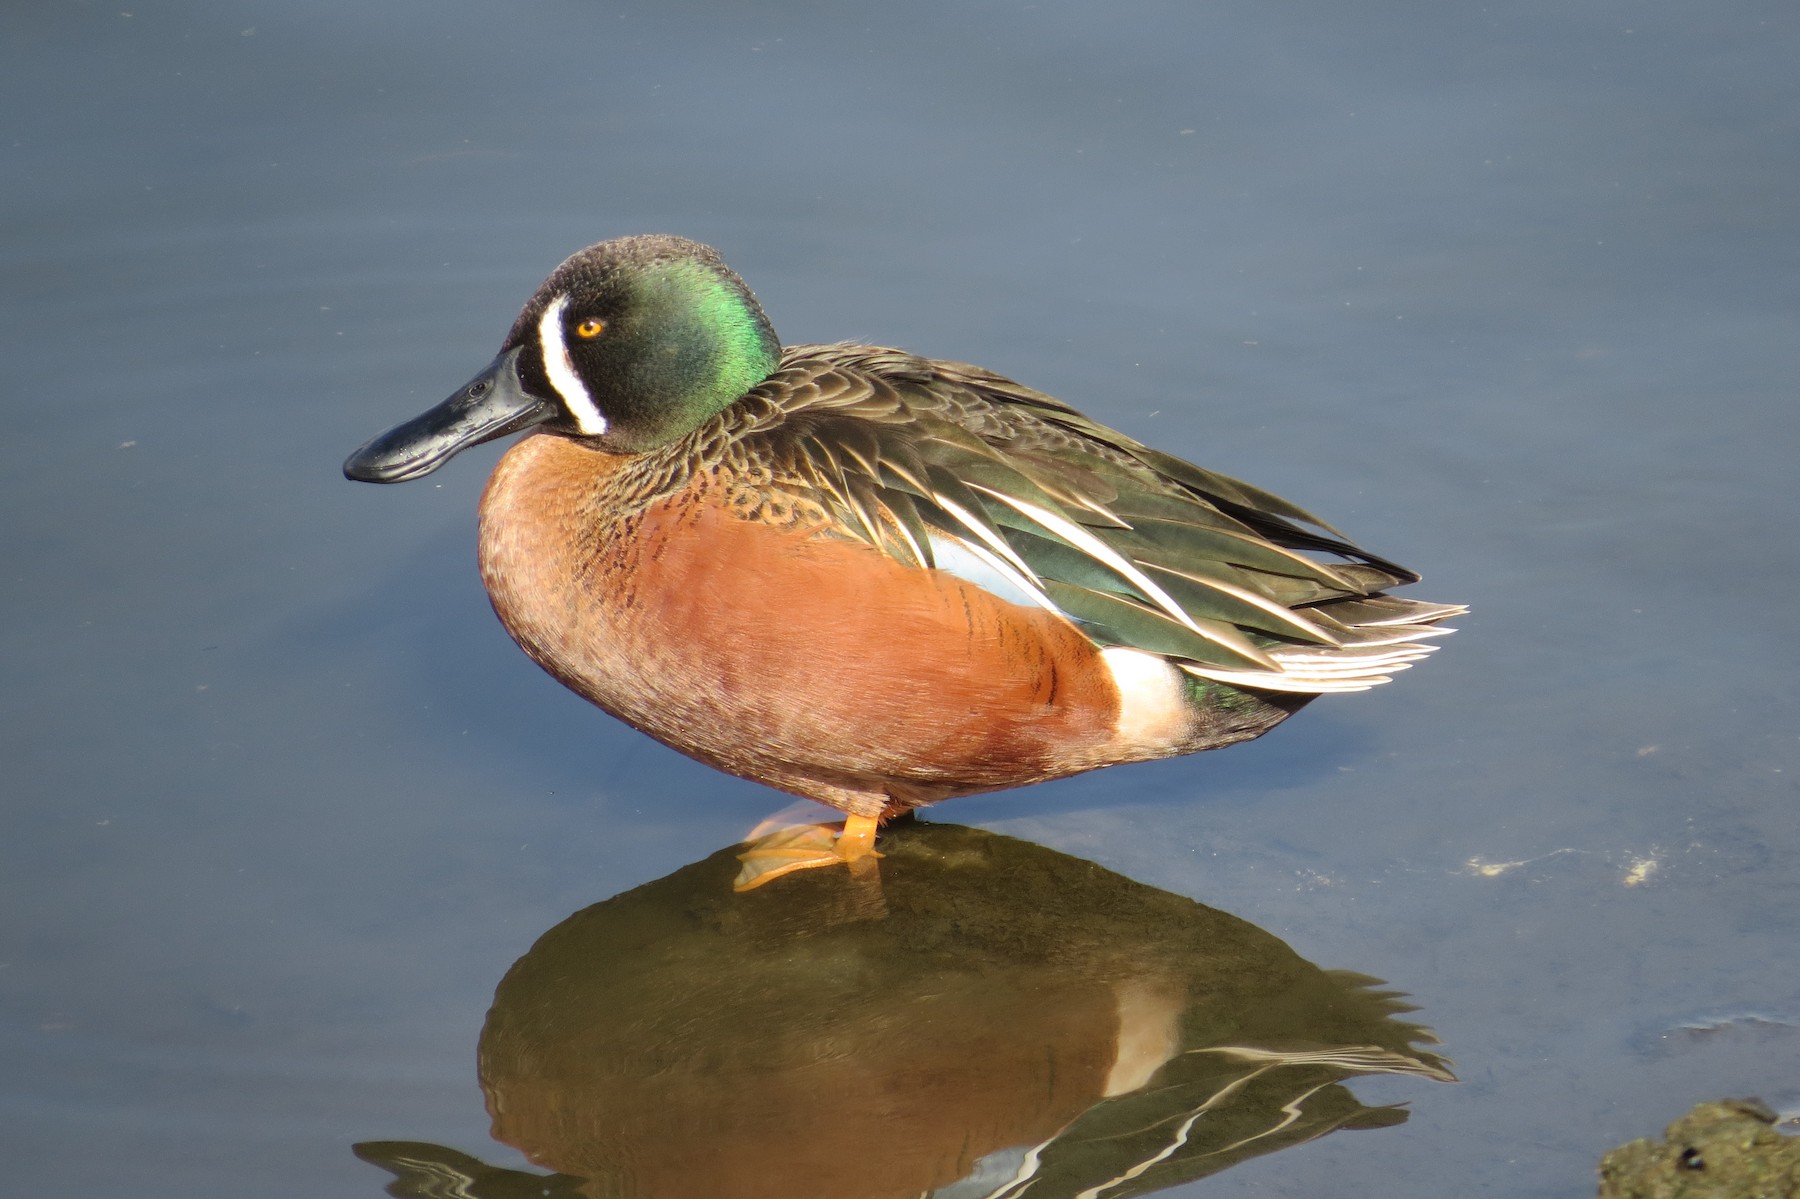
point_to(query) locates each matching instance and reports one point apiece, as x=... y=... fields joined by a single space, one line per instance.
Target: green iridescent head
x=641 y=339
x=629 y=344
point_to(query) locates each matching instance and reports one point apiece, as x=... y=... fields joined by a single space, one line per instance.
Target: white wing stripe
x=981 y=530
x=1096 y=549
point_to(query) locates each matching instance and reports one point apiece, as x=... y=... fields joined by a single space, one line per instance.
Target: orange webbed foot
x=805 y=846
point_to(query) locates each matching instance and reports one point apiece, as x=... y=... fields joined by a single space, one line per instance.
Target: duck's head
x=628 y=344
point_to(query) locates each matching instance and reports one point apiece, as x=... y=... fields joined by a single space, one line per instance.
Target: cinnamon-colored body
x=779 y=653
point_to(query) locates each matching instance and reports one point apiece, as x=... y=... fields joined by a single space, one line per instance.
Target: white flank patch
x=1153 y=708
x=1149 y=1035
x=561 y=369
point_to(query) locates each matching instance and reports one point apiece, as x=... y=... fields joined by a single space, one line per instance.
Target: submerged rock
x=1727 y=1150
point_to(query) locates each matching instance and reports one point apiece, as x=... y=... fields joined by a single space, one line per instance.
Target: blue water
x=1507 y=293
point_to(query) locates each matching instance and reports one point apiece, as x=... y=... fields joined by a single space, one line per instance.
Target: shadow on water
x=985 y=1018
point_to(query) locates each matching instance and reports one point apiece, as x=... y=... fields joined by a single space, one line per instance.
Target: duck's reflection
x=987 y=1018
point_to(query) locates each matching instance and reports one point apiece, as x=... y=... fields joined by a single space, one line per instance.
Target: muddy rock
x=1724 y=1150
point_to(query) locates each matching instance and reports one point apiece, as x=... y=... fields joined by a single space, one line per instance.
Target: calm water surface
x=1506 y=292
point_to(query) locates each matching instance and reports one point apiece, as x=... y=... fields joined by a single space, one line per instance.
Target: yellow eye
x=589 y=329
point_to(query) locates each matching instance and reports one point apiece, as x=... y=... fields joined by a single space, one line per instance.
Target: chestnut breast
x=780 y=652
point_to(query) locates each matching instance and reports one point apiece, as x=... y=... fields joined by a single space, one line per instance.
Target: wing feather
x=1137 y=547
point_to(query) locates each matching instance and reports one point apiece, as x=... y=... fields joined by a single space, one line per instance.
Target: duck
x=868 y=578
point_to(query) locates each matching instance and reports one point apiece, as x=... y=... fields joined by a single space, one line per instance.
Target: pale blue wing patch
x=987 y=570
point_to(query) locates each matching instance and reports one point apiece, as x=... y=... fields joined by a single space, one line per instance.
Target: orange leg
x=857 y=841
x=804 y=847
